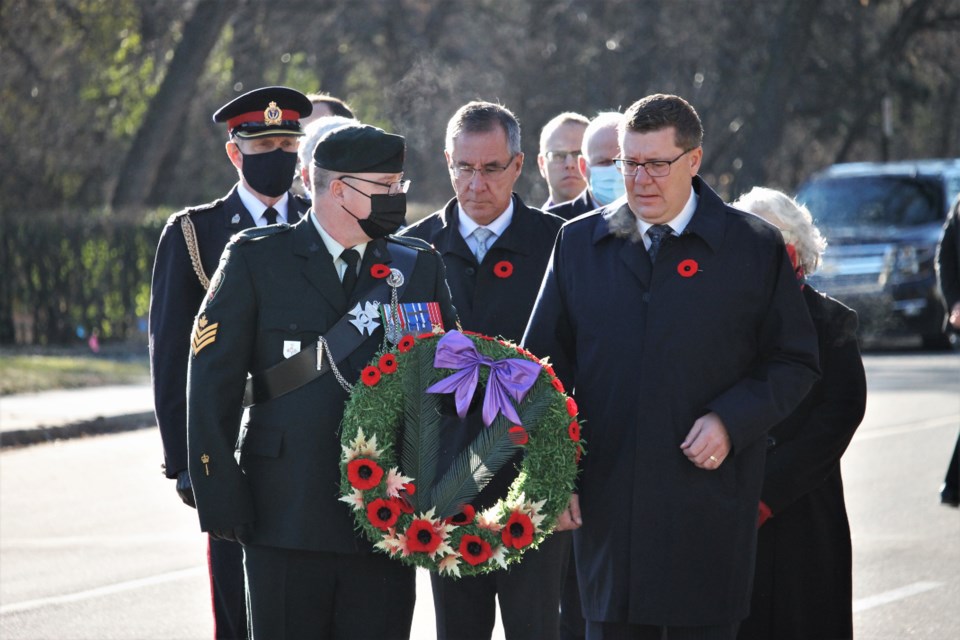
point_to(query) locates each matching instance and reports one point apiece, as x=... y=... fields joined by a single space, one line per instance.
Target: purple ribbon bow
x=509 y=378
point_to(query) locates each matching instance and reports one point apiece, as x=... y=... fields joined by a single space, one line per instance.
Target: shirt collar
x=498 y=226
x=333 y=247
x=679 y=223
x=256 y=208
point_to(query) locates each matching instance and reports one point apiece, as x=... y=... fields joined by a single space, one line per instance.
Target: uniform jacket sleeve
x=174 y=297
x=220 y=357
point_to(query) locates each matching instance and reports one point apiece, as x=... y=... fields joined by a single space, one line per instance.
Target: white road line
x=139 y=583
x=910 y=427
x=892 y=596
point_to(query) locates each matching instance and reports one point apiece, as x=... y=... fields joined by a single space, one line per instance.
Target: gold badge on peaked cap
x=272 y=115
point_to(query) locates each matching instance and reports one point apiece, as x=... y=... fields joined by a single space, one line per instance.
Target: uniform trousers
x=529 y=595
x=626 y=631
x=225 y=563
x=294 y=594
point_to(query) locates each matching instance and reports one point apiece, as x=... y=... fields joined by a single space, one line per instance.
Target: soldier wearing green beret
x=290 y=306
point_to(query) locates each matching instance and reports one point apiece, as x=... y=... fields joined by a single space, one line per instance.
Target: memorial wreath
x=390 y=438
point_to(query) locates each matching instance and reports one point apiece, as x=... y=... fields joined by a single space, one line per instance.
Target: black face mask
x=270 y=174
x=387 y=214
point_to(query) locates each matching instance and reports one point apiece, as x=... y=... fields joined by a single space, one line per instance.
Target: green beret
x=360 y=149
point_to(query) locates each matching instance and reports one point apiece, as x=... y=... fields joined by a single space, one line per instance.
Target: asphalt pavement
x=30 y=418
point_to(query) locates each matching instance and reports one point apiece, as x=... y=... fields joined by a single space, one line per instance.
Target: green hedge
x=67 y=274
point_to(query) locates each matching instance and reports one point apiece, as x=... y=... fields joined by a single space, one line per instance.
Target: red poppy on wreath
x=574 y=431
x=688 y=268
x=379 y=270
x=571 y=406
x=518 y=532
x=388 y=363
x=475 y=550
x=422 y=537
x=557 y=384
x=465 y=517
x=503 y=269
x=364 y=473
x=383 y=514
x=406 y=343
x=410 y=488
x=518 y=435
x=426 y=336
x=402 y=503
x=578 y=455
x=370 y=376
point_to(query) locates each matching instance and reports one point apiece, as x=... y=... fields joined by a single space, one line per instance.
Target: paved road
x=94 y=544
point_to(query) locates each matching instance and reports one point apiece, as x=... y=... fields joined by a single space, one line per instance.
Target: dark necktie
x=657 y=233
x=271 y=215
x=352 y=258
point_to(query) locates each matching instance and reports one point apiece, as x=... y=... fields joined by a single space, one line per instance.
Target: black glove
x=185 y=489
x=240 y=533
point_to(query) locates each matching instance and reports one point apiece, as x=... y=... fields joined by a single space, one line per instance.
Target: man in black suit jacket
x=263 y=150
x=948 y=277
x=276 y=292
x=496 y=250
x=677 y=322
x=604 y=183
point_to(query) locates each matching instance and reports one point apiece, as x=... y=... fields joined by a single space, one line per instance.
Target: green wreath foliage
x=390 y=441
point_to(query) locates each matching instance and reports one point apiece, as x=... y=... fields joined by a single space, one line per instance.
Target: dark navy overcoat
x=718 y=324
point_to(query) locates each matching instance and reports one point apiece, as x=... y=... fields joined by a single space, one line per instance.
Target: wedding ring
x=714 y=458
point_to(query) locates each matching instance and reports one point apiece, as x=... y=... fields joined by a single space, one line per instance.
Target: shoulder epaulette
x=200 y=208
x=255 y=233
x=412 y=242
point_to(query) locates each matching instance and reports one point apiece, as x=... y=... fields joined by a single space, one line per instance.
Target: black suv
x=882 y=222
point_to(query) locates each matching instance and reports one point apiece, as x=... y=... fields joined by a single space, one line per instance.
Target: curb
x=97 y=426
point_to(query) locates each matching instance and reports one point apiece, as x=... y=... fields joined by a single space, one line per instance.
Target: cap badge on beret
x=272 y=115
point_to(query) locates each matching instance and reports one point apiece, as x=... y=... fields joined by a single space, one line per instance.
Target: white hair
x=315 y=130
x=792 y=218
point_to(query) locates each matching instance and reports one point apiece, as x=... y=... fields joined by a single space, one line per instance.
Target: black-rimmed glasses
x=654 y=168
x=393 y=188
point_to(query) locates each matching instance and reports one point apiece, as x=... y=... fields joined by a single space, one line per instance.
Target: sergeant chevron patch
x=203 y=334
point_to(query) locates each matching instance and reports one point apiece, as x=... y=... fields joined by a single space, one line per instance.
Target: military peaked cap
x=360 y=149
x=268 y=111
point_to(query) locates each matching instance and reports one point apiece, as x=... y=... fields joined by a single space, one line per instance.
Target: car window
x=874 y=201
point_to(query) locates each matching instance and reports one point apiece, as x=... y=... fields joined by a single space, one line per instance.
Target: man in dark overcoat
x=262 y=146
x=948 y=278
x=677 y=322
x=496 y=250
x=273 y=485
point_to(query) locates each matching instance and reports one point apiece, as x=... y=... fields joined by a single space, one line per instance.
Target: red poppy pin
x=406 y=343
x=688 y=268
x=503 y=269
x=379 y=270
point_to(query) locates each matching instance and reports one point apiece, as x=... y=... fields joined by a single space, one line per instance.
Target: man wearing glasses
x=705 y=343
x=558 y=160
x=495 y=249
x=596 y=164
x=277 y=293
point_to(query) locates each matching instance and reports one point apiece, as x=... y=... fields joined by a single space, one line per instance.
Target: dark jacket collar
x=705 y=222
x=513 y=238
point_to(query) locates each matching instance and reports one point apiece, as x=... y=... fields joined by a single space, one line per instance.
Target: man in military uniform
x=263 y=127
x=276 y=293
x=496 y=250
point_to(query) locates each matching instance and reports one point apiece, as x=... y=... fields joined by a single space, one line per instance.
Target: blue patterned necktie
x=482 y=236
x=657 y=234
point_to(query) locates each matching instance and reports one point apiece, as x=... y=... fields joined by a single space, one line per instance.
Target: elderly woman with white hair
x=802 y=582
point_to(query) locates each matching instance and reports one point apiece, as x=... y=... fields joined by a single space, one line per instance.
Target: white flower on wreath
x=450 y=565
x=395 y=482
x=360 y=447
x=355 y=500
x=499 y=555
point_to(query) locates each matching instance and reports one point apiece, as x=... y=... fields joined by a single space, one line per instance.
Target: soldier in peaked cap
x=264 y=128
x=277 y=292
